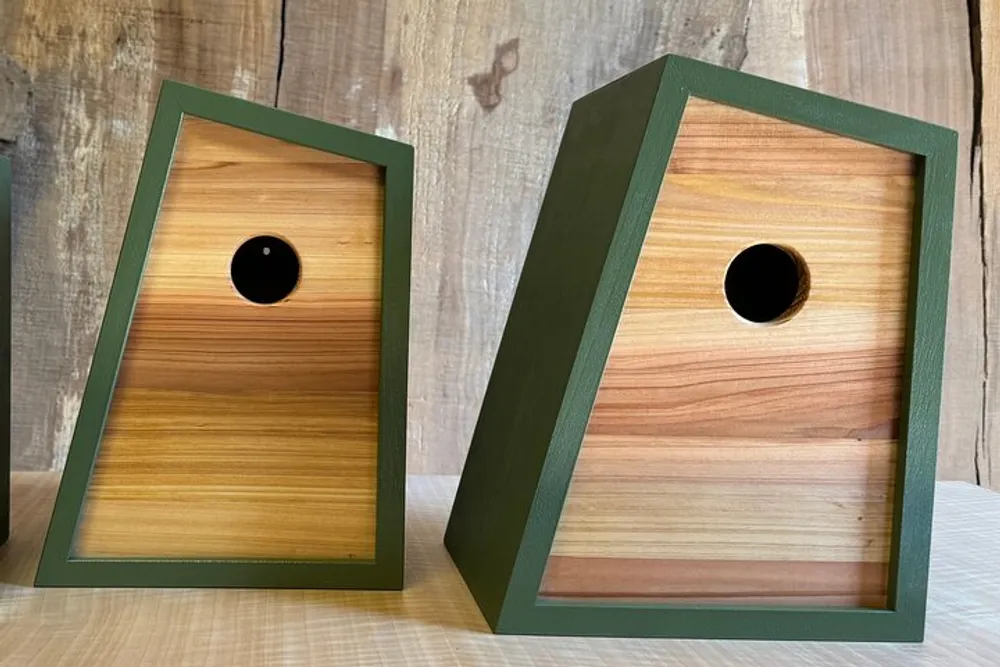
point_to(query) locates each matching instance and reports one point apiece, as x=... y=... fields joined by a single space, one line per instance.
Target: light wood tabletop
x=434 y=621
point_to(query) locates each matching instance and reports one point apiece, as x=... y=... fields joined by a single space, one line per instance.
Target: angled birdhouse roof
x=60 y=564
x=574 y=283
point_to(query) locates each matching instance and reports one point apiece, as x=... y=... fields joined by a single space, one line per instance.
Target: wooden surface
x=718 y=449
x=434 y=620
x=238 y=429
x=987 y=169
x=482 y=89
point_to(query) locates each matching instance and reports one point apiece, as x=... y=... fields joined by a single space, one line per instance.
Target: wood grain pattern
x=435 y=621
x=729 y=498
x=782 y=582
x=241 y=430
x=714 y=439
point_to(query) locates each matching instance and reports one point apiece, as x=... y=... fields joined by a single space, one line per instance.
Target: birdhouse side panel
x=743 y=441
x=244 y=423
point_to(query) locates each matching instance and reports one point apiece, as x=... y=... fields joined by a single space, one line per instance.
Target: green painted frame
x=5 y=341
x=559 y=332
x=57 y=566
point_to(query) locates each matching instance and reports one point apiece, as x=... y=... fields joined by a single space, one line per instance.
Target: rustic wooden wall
x=482 y=89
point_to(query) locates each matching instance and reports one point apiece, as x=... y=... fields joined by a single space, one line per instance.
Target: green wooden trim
x=394 y=364
x=930 y=264
x=5 y=341
x=58 y=566
x=540 y=463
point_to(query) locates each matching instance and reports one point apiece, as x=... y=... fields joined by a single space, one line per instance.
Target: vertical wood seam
x=981 y=444
x=745 y=37
x=282 y=22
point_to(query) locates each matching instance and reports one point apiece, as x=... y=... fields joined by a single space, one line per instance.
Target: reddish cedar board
x=732 y=441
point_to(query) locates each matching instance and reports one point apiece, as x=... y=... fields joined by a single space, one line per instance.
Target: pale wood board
x=434 y=620
x=240 y=430
x=989 y=174
x=715 y=439
x=402 y=68
x=731 y=582
x=729 y=499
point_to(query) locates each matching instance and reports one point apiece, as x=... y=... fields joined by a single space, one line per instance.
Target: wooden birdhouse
x=714 y=409
x=244 y=419
x=5 y=337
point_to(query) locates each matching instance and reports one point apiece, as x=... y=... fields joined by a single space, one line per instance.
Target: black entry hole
x=265 y=269
x=766 y=283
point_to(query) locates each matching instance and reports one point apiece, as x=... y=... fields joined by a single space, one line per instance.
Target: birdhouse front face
x=244 y=422
x=743 y=441
x=714 y=408
x=253 y=429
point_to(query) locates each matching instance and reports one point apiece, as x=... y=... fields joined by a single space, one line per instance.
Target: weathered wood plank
x=229 y=47
x=94 y=73
x=482 y=89
x=14 y=85
x=776 y=42
x=913 y=57
x=332 y=60
x=989 y=173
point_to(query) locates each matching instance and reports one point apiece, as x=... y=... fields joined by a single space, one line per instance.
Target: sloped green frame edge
x=520 y=610
x=57 y=566
x=5 y=342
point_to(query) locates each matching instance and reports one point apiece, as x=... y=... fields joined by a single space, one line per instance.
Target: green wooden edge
x=520 y=611
x=58 y=566
x=538 y=349
x=5 y=341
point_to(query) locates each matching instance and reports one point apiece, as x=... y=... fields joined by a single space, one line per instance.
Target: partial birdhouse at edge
x=714 y=409
x=244 y=419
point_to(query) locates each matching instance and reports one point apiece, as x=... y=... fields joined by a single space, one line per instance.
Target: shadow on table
x=434 y=592
x=32 y=506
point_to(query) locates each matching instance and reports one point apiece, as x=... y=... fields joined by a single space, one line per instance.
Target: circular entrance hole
x=766 y=283
x=265 y=269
